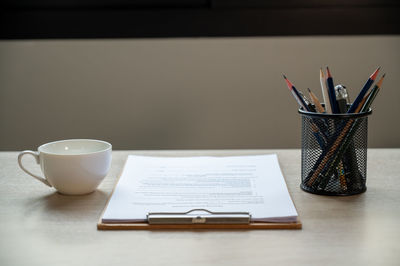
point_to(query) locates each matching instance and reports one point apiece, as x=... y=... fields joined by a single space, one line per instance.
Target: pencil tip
x=289 y=84
x=373 y=76
x=309 y=90
x=379 y=84
x=328 y=72
x=321 y=73
x=284 y=76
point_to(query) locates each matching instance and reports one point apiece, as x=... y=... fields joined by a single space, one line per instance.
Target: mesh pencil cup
x=334 y=153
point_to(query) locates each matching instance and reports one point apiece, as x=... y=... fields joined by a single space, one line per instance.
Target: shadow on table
x=72 y=206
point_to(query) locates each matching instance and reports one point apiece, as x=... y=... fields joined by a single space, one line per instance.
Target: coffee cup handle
x=37 y=158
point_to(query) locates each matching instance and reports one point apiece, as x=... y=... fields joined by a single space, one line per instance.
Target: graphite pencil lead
x=379 y=84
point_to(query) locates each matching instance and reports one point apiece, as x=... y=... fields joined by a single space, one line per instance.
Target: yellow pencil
x=325 y=94
x=316 y=102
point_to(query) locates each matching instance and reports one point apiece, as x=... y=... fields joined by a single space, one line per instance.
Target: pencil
x=372 y=95
x=296 y=94
x=363 y=91
x=331 y=92
x=316 y=102
x=328 y=107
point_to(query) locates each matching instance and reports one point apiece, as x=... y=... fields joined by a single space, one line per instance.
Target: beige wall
x=184 y=93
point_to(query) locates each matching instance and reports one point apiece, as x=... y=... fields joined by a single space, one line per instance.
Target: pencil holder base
x=327 y=193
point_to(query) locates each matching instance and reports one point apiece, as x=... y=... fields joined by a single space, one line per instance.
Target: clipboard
x=191 y=221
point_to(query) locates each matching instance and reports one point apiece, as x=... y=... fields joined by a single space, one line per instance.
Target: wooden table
x=41 y=227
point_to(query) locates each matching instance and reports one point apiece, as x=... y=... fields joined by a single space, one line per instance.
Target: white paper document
x=253 y=184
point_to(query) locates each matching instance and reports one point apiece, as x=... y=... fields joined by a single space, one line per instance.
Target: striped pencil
x=331 y=92
x=372 y=95
x=363 y=91
x=296 y=94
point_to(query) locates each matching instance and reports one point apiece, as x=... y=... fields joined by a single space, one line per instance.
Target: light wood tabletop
x=39 y=226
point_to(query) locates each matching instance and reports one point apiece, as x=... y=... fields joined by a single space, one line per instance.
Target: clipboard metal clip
x=198 y=216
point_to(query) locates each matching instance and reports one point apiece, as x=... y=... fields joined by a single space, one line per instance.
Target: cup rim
x=41 y=147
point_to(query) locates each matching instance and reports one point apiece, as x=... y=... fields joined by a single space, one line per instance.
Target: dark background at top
x=43 y=19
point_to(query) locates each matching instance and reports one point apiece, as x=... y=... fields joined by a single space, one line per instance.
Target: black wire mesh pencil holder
x=334 y=153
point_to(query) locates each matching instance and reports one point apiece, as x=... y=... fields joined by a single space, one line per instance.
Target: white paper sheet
x=251 y=184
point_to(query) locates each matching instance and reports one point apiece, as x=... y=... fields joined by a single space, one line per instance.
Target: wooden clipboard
x=146 y=226
x=193 y=226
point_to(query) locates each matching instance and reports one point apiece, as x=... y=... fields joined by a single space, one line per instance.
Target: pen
x=310 y=107
x=363 y=91
x=350 y=157
x=341 y=98
x=328 y=107
x=331 y=92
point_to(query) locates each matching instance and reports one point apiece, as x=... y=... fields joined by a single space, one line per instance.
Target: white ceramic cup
x=73 y=167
